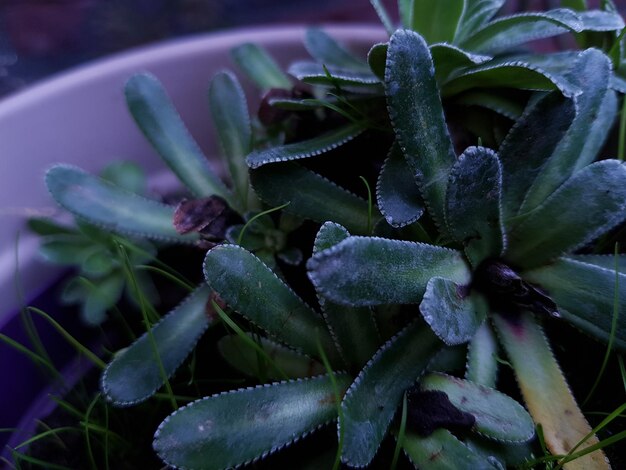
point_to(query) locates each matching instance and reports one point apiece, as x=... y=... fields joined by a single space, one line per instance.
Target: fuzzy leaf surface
x=107 y=206
x=474 y=204
x=397 y=192
x=371 y=401
x=482 y=364
x=253 y=290
x=417 y=116
x=584 y=294
x=160 y=122
x=361 y=271
x=134 y=374
x=589 y=204
x=450 y=311
x=603 y=261
x=233 y=428
x=498 y=416
x=305 y=149
x=437 y=21
x=448 y=58
x=310 y=196
x=332 y=75
x=326 y=50
x=260 y=67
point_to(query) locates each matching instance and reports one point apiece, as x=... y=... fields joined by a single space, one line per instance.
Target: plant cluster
x=389 y=230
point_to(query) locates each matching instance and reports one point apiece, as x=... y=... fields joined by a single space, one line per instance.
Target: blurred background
x=39 y=38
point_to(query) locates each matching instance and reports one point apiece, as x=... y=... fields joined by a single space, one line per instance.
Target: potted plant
x=395 y=236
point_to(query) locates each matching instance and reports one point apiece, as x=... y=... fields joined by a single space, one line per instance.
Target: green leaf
x=437 y=21
x=371 y=401
x=474 y=204
x=482 y=364
x=229 y=110
x=598 y=20
x=528 y=146
x=596 y=109
x=584 y=294
x=310 y=196
x=98 y=263
x=134 y=374
x=405 y=7
x=397 y=193
x=442 y=451
x=158 y=119
x=329 y=52
x=354 y=329
x=377 y=58
x=238 y=427
x=511 y=454
x=451 y=312
x=66 y=248
x=245 y=359
x=589 y=204
x=319 y=74
x=545 y=390
x=498 y=416
x=501 y=103
x=260 y=67
x=417 y=115
x=44 y=226
x=304 y=149
x=127 y=175
x=448 y=58
x=100 y=297
x=253 y=290
x=384 y=17
x=603 y=261
x=510 y=31
x=107 y=206
x=477 y=13
x=362 y=271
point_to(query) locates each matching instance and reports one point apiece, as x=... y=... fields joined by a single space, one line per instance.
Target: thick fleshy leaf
x=329 y=52
x=319 y=74
x=244 y=358
x=105 y=205
x=417 y=116
x=126 y=174
x=397 y=194
x=482 y=355
x=353 y=328
x=160 y=122
x=589 y=204
x=546 y=393
x=377 y=58
x=474 y=204
x=452 y=313
x=310 y=196
x=498 y=416
x=596 y=110
x=361 y=271
x=437 y=21
x=603 y=261
x=233 y=428
x=502 y=455
x=305 y=149
x=252 y=289
x=442 y=451
x=510 y=31
x=585 y=294
x=528 y=145
x=447 y=58
x=477 y=13
x=260 y=67
x=229 y=111
x=601 y=20
x=371 y=401
x=135 y=373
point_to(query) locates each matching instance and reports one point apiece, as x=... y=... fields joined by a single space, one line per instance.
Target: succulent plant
x=393 y=325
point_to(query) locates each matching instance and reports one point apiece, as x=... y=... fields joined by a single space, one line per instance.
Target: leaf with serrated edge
x=477 y=13
x=498 y=416
x=304 y=149
x=371 y=401
x=160 y=122
x=598 y=20
x=417 y=116
x=361 y=271
x=437 y=21
x=376 y=58
x=354 y=329
x=442 y=451
x=448 y=58
x=134 y=374
x=260 y=67
x=602 y=261
x=584 y=294
x=247 y=360
x=319 y=74
x=498 y=102
x=587 y=205
x=482 y=353
x=328 y=51
x=238 y=427
x=310 y=196
x=450 y=311
x=397 y=194
x=545 y=391
x=253 y=290
x=474 y=204
x=107 y=206
x=229 y=111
